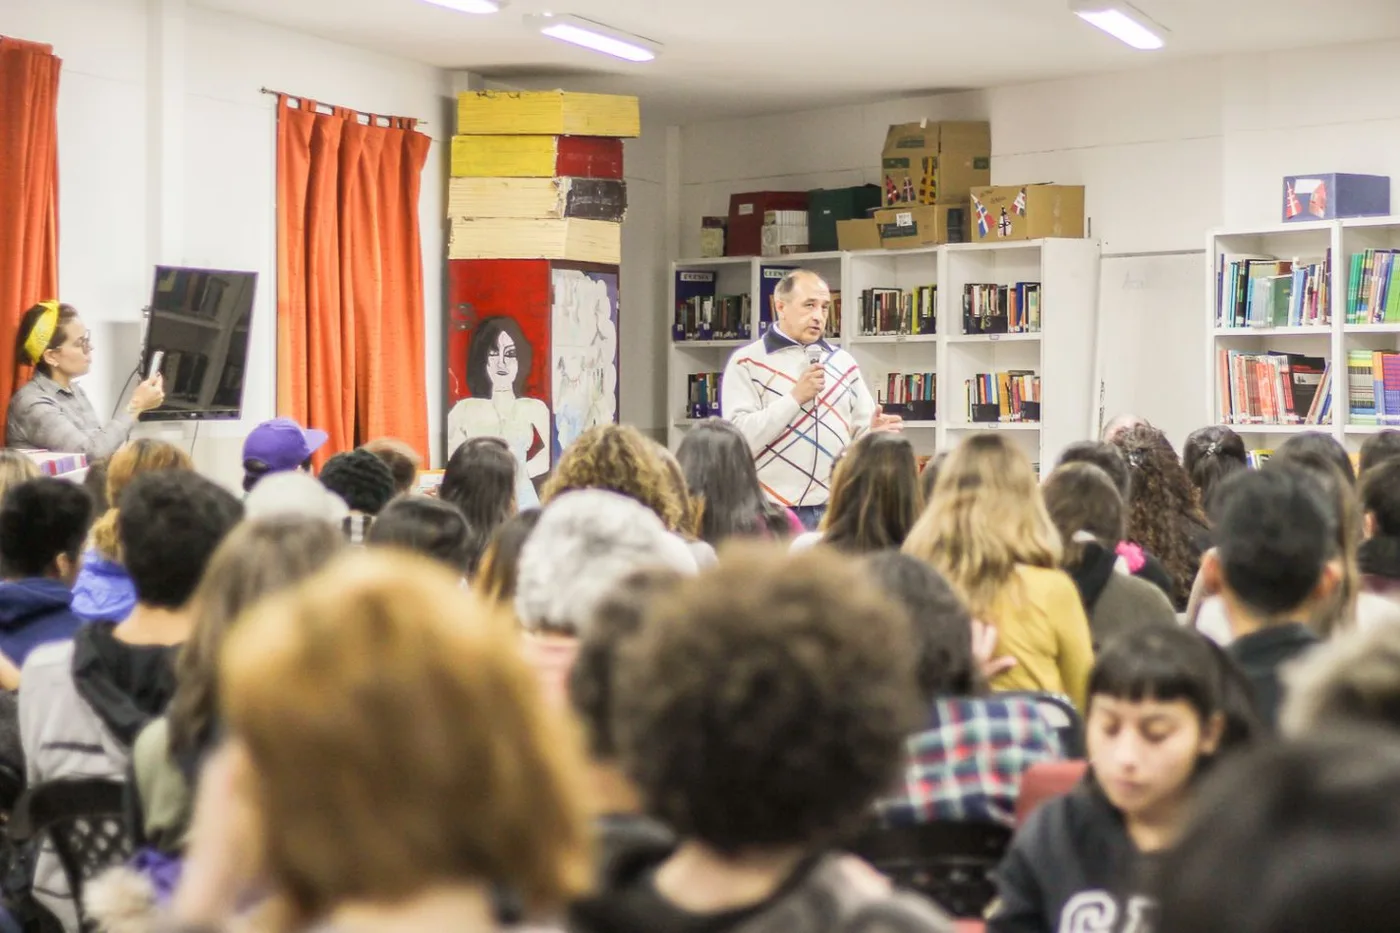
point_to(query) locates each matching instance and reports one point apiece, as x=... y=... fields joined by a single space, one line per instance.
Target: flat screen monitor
x=199 y=323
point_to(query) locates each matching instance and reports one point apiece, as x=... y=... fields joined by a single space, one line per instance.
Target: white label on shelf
x=745 y=210
x=904 y=219
x=697 y=276
x=994 y=336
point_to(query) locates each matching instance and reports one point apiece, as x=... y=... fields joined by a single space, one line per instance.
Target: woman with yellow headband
x=51 y=412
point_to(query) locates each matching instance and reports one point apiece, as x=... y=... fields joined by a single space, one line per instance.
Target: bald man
x=799 y=400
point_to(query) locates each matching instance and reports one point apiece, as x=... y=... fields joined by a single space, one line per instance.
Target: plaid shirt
x=967 y=766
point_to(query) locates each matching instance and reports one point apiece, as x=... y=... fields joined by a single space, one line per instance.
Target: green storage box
x=827 y=206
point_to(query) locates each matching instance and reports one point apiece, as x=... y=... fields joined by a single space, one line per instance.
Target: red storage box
x=746 y=212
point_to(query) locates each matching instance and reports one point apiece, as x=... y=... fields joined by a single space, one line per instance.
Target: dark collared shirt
x=1260 y=656
x=46 y=416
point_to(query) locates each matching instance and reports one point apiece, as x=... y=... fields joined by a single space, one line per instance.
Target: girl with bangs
x=1164 y=706
x=987 y=531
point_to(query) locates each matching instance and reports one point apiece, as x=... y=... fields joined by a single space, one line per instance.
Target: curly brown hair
x=1164 y=513
x=620 y=459
x=765 y=703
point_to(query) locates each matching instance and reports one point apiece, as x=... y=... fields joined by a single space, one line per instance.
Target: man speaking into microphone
x=799 y=400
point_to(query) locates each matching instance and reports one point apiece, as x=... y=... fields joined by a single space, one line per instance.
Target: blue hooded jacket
x=34 y=612
x=103 y=591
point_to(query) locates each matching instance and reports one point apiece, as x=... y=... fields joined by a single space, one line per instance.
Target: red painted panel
x=589 y=157
x=518 y=289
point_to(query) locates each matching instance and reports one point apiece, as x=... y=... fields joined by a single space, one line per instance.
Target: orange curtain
x=350 y=343
x=28 y=190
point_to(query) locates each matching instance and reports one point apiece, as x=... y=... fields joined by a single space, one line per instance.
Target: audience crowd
x=1146 y=693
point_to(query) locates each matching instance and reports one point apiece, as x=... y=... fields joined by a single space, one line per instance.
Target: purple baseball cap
x=282 y=444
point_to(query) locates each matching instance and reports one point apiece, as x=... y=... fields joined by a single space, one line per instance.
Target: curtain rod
x=381 y=116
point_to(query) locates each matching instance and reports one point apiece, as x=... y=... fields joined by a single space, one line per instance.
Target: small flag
x=1292 y=207
x=983 y=221
x=1020 y=204
x=1317 y=204
x=891 y=192
x=908 y=191
x=1004 y=225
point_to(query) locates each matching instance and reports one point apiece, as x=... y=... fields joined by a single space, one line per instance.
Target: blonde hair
x=134 y=458
x=986 y=517
x=620 y=459
x=15 y=468
x=405 y=744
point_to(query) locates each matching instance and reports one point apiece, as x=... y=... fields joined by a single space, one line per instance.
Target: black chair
x=949 y=863
x=1059 y=714
x=84 y=819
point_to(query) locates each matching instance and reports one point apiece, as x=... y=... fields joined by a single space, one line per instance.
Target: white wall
x=1166 y=153
x=167 y=155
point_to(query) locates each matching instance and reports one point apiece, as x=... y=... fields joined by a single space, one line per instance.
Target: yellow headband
x=38 y=340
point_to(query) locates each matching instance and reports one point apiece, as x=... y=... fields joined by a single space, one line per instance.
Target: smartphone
x=157 y=358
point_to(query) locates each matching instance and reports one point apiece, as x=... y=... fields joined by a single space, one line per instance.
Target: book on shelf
x=1261 y=291
x=702 y=395
x=1257 y=458
x=701 y=314
x=1001 y=309
x=1372 y=297
x=894 y=312
x=1373 y=387
x=1272 y=388
x=833 y=318
x=1009 y=396
x=913 y=396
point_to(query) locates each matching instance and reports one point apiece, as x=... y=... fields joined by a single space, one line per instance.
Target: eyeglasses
x=84 y=344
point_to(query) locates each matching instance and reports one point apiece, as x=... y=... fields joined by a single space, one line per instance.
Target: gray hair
x=1354 y=678
x=789 y=283
x=295 y=493
x=586 y=543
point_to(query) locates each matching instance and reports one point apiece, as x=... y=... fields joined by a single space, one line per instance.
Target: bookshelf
x=1344 y=335
x=1062 y=353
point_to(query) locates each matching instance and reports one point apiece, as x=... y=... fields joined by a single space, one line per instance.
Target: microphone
x=814 y=355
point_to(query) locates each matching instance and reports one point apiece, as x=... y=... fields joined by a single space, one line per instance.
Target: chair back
x=1044 y=781
x=949 y=863
x=1059 y=714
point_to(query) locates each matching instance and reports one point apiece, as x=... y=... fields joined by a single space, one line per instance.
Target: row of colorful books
x=1370 y=297
x=1013 y=395
x=1261 y=291
x=702 y=394
x=1373 y=387
x=892 y=311
x=1273 y=388
x=1001 y=309
x=712 y=317
x=912 y=395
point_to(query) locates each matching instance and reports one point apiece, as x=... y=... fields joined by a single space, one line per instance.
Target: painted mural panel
x=584 y=337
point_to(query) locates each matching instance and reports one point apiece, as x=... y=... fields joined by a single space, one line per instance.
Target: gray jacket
x=45 y=416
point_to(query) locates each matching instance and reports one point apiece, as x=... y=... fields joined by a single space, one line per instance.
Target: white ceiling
x=732 y=57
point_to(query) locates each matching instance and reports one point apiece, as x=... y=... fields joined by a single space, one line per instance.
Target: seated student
x=1156 y=721
x=966 y=758
x=1211 y=455
x=1272 y=565
x=1379 y=556
x=1164 y=516
x=430 y=527
x=761 y=709
x=1088 y=512
x=875 y=499
x=716 y=472
x=366 y=485
x=1295 y=837
x=43 y=524
x=1350 y=680
x=16 y=467
x=584 y=544
x=403 y=768
x=402 y=460
x=83 y=702
x=619 y=458
x=480 y=480
x=298 y=495
x=1110 y=459
x=1318 y=445
x=1377 y=449
x=278 y=446
x=496 y=576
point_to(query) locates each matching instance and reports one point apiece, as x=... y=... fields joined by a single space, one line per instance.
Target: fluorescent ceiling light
x=1122 y=21
x=596 y=36
x=471 y=6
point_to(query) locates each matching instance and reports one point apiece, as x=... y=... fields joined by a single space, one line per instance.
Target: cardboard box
x=828 y=207
x=908 y=226
x=536 y=157
x=1329 y=197
x=712 y=236
x=928 y=163
x=746 y=213
x=546 y=113
x=1026 y=212
x=857 y=234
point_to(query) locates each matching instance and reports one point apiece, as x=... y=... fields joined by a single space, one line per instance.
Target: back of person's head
x=618 y=458
x=986 y=517
x=43 y=524
x=1107 y=457
x=765 y=703
x=131 y=460
x=258 y=558
x=1337 y=612
x=1353 y=679
x=584 y=544
x=619 y=617
x=401 y=459
x=1082 y=499
x=692 y=507
x=496 y=576
x=940 y=624
x=1377 y=449
x=361 y=479
x=95 y=482
x=1210 y=455
x=1315 y=446
x=426 y=526
x=295 y=495
x=405 y=748
x=1292 y=838
x=1380 y=498
x=720 y=475
x=1274 y=537
x=928 y=476
x=1119 y=425
x=1162 y=506
x=15 y=467
x=875 y=495
x=170 y=524
x=480 y=482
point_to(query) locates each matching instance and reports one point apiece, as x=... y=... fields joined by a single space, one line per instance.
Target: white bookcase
x=1063 y=353
x=1332 y=341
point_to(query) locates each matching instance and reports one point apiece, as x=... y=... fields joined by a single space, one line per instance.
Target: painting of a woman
x=499 y=361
